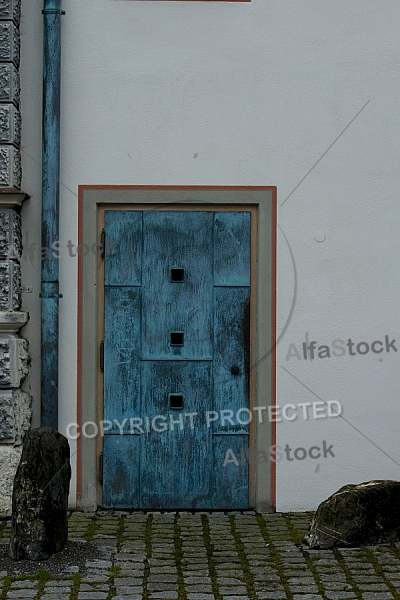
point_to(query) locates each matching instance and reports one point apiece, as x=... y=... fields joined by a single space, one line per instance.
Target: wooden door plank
x=230 y=488
x=184 y=240
x=121 y=482
x=231 y=398
x=231 y=360
x=121 y=355
x=178 y=465
x=232 y=248
x=123 y=247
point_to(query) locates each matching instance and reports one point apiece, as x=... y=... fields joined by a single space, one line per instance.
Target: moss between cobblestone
x=276 y=558
x=149 y=552
x=209 y=550
x=91 y=529
x=395 y=550
x=297 y=537
x=379 y=570
x=114 y=572
x=297 y=533
x=41 y=576
x=147 y=536
x=7 y=581
x=249 y=579
x=75 y=586
x=178 y=559
x=120 y=530
x=348 y=573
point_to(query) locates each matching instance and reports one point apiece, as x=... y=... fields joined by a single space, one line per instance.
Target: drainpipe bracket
x=50 y=290
x=50 y=295
x=53 y=11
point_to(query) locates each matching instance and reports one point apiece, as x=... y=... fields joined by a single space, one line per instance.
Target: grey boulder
x=363 y=514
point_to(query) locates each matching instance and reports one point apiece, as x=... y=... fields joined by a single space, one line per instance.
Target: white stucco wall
x=249 y=94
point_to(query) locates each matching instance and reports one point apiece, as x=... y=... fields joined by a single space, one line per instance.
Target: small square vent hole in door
x=176 y=338
x=175 y=401
x=177 y=275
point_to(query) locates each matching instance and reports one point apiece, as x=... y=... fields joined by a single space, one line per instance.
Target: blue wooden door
x=176 y=360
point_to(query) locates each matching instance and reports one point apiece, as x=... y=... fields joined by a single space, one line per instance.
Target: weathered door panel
x=123 y=248
x=122 y=365
x=177 y=240
x=232 y=248
x=231 y=361
x=230 y=432
x=121 y=471
x=178 y=456
x=231 y=471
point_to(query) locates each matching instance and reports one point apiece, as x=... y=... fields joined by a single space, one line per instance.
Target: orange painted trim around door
x=79 y=355
x=273 y=335
x=81 y=190
x=194 y=0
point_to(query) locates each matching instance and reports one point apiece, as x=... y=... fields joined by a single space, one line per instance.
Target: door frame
x=261 y=201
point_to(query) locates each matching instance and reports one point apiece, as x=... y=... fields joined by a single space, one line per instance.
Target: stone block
x=10 y=10
x=363 y=514
x=10 y=233
x=13 y=360
x=12 y=199
x=12 y=321
x=7 y=420
x=9 y=42
x=9 y=459
x=9 y=83
x=39 y=526
x=10 y=285
x=10 y=125
x=15 y=416
x=10 y=167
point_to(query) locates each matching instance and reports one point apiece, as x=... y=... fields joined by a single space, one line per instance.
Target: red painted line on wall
x=273 y=334
x=178 y=187
x=79 y=366
x=225 y=1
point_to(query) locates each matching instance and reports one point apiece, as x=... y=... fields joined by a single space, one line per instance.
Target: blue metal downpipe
x=52 y=14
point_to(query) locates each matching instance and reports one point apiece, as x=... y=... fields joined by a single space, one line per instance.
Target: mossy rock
x=356 y=515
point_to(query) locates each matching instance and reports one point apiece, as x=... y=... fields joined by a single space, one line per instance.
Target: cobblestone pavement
x=203 y=556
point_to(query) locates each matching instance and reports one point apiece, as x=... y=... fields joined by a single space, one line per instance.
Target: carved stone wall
x=15 y=404
x=10 y=125
x=10 y=141
x=10 y=289
x=15 y=416
x=13 y=361
x=10 y=232
x=10 y=10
